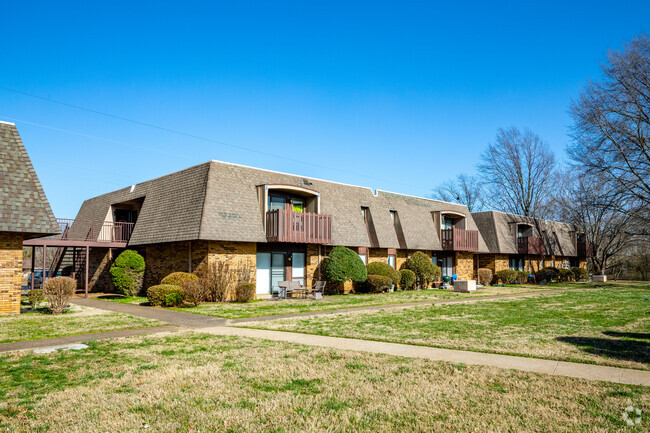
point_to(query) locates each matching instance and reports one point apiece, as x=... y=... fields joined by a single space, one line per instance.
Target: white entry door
x=263 y=280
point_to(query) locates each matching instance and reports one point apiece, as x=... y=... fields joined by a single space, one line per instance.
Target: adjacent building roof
x=219 y=201
x=499 y=232
x=23 y=205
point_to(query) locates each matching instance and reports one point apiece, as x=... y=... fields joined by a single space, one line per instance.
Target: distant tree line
x=604 y=190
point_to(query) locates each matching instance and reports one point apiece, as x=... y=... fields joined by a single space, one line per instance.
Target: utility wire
x=186 y=134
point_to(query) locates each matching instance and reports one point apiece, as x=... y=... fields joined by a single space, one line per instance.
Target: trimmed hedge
x=343 y=265
x=579 y=274
x=565 y=275
x=173 y=299
x=484 y=276
x=522 y=277
x=407 y=279
x=245 y=292
x=547 y=274
x=179 y=278
x=379 y=268
x=376 y=284
x=127 y=272
x=425 y=271
x=507 y=276
x=157 y=295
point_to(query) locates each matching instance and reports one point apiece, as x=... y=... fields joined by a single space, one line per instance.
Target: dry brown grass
x=199 y=383
x=76 y=320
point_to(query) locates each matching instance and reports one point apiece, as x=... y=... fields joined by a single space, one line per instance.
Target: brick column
x=11 y=269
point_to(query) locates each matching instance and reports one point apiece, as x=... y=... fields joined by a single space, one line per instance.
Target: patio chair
x=319 y=288
x=283 y=289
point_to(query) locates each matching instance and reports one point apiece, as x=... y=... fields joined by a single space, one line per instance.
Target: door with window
x=270 y=271
x=447 y=266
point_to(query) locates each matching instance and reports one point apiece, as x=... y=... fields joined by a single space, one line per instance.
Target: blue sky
x=392 y=95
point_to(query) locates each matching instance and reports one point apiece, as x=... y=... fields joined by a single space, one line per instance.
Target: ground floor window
x=574 y=262
x=391 y=260
x=516 y=263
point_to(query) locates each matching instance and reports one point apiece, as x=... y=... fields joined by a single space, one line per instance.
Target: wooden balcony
x=298 y=227
x=586 y=249
x=530 y=245
x=459 y=240
x=76 y=232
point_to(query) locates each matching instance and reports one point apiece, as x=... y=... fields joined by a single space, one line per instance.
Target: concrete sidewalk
x=534 y=365
x=70 y=339
x=178 y=318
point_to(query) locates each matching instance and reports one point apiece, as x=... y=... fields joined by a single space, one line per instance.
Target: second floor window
x=393 y=216
x=364 y=214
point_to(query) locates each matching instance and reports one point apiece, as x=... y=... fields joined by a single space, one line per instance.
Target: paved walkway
x=178 y=318
x=545 y=366
x=405 y=305
x=59 y=341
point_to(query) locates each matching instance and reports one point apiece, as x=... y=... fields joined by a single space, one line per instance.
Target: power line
x=189 y=135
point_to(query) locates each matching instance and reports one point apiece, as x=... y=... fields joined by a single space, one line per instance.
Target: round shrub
x=376 y=284
x=245 y=292
x=565 y=275
x=384 y=269
x=579 y=274
x=425 y=271
x=507 y=276
x=407 y=279
x=179 y=278
x=547 y=275
x=58 y=291
x=128 y=272
x=156 y=295
x=343 y=265
x=522 y=277
x=484 y=276
x=173 y=299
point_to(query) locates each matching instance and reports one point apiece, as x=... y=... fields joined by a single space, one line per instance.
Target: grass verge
x=38 y=324
x=260 y=308
x=608 y=326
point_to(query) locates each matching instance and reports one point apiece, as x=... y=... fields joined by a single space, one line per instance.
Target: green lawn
x=200 y=382
x=34 y=325
x=260 y=308
x=609 y=326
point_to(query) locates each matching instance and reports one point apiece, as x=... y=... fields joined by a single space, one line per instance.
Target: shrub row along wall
x=11 y=268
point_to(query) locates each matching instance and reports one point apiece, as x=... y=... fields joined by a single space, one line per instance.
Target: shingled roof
x=219 y=201
x=499 y=232
x=23 y=205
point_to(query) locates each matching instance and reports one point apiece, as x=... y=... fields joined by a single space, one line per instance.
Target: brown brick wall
x=377 y=255
x=465 y=265
x=99 y=265
x=11 y=268
x=163 y=259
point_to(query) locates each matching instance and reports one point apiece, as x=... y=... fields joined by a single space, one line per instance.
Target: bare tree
x=611 y=131
x=593 y=208
x=520 y=173
x=464 y=189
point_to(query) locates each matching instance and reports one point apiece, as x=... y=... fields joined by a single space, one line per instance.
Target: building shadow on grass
x=628 y=347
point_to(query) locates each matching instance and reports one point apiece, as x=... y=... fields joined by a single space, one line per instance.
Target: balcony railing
x=298 y=227
x=93 y=231
x=586 y=249
x=530 y=245
x=459 y=240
